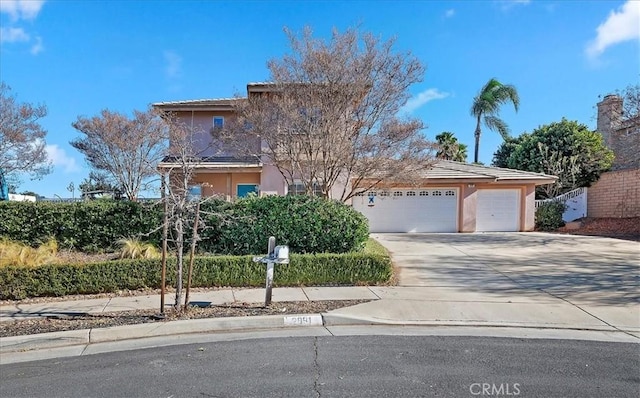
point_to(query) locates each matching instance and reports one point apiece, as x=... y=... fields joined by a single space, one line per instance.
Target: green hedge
x=215 y=271
x=306 y=224
x=89 y=226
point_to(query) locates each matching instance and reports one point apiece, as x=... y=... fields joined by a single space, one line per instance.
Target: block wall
x=616 y=194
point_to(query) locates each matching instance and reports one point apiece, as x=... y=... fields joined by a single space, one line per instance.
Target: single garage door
x=498 y=210
x=410 y=210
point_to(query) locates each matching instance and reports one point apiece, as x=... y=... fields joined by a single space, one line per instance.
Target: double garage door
x=410 y=210
x=436 y=210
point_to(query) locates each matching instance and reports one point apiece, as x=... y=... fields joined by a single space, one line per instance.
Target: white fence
x=576 y=202
x=22 y=198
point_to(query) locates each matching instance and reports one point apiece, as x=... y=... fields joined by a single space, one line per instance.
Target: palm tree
x=487 y=103
x=449 y=148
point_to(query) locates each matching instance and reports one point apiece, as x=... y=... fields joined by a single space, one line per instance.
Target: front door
x=244 y=190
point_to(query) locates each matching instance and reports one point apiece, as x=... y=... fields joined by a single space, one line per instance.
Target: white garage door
x=410 y=210
x=498 y=210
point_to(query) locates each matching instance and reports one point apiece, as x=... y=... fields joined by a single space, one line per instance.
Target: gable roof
x=446 y=170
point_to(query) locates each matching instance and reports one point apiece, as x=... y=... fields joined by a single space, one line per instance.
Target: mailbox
x=281 y=254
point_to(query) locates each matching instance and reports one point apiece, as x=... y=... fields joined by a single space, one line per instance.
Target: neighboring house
x=452 y=196
x=617 y=193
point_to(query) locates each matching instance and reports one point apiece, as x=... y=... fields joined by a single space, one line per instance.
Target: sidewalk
x=211 y=297
x=390 y=305
x=437 y=310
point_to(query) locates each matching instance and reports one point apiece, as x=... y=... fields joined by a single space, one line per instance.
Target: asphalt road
x=363 y=366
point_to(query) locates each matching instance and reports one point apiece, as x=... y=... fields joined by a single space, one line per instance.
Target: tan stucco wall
x=467 y=208
x=616 y=194
x=529 y=205
x=224 y=184
x=201 y=123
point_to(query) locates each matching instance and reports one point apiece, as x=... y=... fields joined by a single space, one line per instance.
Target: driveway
x=513 y=279
x=599 y=270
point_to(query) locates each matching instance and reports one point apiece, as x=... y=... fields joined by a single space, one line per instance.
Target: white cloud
x=21 y=9
x=173 y=64
x=59 y=158
x=12 y=35
x=621 y=25
x=422 y=98
x=37 y=47
x=449 y=13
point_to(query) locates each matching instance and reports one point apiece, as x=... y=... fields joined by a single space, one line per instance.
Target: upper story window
x=218 y=122
x=194 y=192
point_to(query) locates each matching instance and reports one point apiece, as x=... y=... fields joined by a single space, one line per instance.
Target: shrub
x=17 y=282
x=16 y=253
x=89 y=226
x=549 y=215
x=134 y=248
x=306 y=224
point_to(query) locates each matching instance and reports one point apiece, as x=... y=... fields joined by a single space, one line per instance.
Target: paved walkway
x=213 y=297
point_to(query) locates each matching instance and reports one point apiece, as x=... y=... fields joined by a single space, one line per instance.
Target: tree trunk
x=179 y=258
x=477 y=136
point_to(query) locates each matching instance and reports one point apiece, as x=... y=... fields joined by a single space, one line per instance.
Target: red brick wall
x=616 y=194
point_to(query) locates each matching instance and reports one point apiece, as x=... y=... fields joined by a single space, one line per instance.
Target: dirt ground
x=60 y=323
x=620 y=228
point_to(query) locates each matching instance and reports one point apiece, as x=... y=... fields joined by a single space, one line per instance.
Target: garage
x=498 y=210
x=410 y=210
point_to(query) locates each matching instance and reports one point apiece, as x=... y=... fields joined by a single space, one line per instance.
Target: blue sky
x=79 y=57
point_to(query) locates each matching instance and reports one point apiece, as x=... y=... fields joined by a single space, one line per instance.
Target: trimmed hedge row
x=306 y=224
x=216 y=271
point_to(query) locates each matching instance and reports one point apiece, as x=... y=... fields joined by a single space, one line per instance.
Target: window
x=411 y=193
x=194 y=192
x=450 y=193
x=218 y=122
x=298 y=189
x=437 y=193
x=424 y=193
x=384 y=193
x=397 y=193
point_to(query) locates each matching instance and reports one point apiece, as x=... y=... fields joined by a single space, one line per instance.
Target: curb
x=86 y=337
x=43 y=341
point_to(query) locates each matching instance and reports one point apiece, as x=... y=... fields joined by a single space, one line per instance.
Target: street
x=361 y=366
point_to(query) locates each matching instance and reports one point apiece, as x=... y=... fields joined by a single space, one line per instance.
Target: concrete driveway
x=584 y=268
x=534 y=280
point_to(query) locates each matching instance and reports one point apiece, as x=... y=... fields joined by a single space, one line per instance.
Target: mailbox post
x=275 y=255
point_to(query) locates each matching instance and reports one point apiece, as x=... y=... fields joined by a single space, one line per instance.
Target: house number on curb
x=303 y=320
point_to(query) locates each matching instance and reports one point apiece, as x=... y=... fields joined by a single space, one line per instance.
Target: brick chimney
x=609 y=117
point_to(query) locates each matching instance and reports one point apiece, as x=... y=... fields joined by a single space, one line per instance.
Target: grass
x=14 y=253
x=133 y=248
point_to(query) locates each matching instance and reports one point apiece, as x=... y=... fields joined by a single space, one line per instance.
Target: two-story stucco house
x=450 y=196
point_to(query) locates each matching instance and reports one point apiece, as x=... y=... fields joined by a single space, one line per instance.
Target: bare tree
x=22 y=144
x=631 y=101
x=329 y=116
x=181 y=208
x=127 y=149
